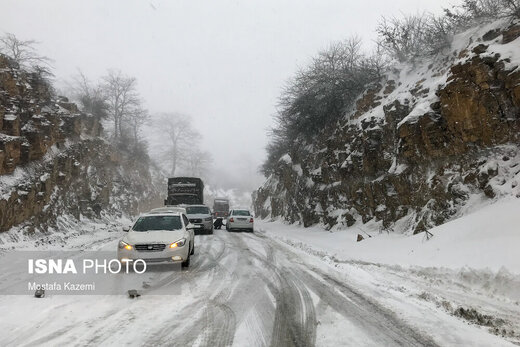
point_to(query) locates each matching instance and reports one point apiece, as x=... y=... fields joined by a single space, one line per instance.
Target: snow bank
x=470 y=268
x=487 y=239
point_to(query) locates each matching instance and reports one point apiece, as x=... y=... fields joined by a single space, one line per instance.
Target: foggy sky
x=222 y=62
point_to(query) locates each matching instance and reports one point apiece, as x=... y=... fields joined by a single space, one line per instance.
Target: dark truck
x=220 y=208
x=185 y=190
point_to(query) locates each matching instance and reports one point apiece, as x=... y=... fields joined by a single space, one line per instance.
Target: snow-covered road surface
x=241 y=289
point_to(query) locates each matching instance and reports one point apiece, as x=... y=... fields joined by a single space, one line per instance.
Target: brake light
x=231 y=220
x=251 y=220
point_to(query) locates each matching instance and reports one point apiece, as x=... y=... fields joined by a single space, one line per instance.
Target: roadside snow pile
x=484 y=239
x=69 y=233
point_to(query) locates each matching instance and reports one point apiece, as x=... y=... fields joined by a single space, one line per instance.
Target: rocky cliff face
x=53 y=161
x=421 y=145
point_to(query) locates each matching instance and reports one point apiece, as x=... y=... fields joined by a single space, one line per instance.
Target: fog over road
x=241 y=289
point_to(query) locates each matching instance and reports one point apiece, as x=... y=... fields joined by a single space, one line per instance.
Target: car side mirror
x=126 y=229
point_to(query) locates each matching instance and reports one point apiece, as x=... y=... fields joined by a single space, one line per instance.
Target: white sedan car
x=159 y=238
x=240 y=219
x=168 y=209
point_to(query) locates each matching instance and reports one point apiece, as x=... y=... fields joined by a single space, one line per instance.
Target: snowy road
x=242 y=289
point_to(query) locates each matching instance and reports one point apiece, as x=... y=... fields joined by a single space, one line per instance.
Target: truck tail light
x=251 y=220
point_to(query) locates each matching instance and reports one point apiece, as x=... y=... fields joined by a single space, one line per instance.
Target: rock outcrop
x=420 y=146
x=53 y=160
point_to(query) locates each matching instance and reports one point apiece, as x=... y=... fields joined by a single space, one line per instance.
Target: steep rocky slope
x=427 y=142
x=54 y=162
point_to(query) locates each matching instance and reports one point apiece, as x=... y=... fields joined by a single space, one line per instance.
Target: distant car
x=240 y=219
x=159 y=238
x=168 y=209
x=200 y=215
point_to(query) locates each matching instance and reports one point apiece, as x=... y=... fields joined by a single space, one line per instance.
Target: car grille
x=196 y=220
x=156 y=247
x=157 y=260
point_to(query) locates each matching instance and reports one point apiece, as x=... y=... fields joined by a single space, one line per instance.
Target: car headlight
x=179 y=243
x=207 y=219
x=127 y=246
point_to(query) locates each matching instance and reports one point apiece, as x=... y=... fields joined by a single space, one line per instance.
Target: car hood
x=156 y=236
x=201 y=216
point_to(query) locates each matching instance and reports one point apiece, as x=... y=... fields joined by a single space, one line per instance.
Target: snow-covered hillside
x=436 y=136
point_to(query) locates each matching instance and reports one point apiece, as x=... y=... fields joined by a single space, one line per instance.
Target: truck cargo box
x=185 y=190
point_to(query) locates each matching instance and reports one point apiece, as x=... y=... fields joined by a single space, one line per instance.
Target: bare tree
x=197 y=161
x=122 y=98
x=136 y=118
x=177 y=127
x=320 y=94
x=472 y=12
x=511 y=8
x=404 y=37
x=339 y=57
x=91 y=96
x=325 y=90
x=23 y=52
x=414 y=36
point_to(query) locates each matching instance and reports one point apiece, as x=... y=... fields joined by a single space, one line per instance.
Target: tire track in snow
x=382 y=324
x=295 y=317
x=212 y=322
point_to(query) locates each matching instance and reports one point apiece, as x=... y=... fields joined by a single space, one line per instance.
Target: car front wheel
x=186 y=263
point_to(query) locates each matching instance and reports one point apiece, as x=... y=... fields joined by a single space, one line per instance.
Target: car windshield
x=151 y=223
x=241 y=213
x=197 y=210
